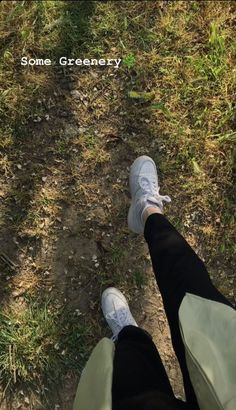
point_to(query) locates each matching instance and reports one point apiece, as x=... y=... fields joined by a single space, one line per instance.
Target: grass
x=38 y=345
x=172 y=98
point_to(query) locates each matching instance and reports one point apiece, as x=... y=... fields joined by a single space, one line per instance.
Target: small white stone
x=37 y=119
x=75 y=93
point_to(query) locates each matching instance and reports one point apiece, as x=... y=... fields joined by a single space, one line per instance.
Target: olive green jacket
x=208 y=331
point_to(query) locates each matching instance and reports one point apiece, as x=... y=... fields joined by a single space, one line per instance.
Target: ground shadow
x=32 y=155
x=34 y=142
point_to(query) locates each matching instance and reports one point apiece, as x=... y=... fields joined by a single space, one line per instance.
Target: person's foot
x=144 y=189
x=116 y=311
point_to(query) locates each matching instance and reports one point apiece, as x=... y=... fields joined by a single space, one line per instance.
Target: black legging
x=137 y=365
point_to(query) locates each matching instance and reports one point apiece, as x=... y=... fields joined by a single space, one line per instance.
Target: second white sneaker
x=116 y=311
x=144 y=189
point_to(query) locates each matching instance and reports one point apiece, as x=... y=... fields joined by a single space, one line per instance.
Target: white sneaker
x=116 y=311
x=144 y=189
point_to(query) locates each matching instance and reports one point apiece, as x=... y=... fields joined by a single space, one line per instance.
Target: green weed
x=139 y=278
x=213 y=64
x=129 y=61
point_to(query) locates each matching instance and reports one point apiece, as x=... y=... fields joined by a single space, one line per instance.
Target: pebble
x=37 y=119
x=75 y=94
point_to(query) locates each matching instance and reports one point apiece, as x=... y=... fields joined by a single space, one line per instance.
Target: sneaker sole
x=133 y=222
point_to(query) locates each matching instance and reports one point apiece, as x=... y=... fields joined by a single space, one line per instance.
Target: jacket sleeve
x=208 y=330
x=95 y=385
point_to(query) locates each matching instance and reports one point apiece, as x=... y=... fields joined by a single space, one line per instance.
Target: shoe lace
x=152 y=191
x=118 y=318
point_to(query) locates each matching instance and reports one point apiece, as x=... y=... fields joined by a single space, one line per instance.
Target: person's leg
x=178 y=270
x=137 y=366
